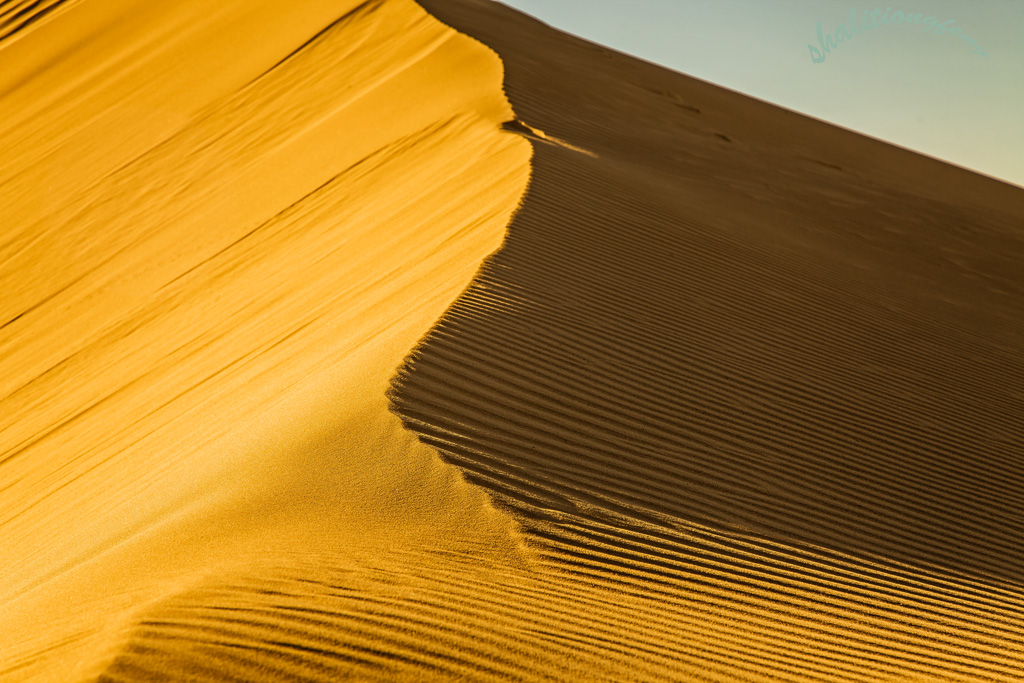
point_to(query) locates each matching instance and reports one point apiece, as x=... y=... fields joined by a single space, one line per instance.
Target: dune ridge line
x=421 y=341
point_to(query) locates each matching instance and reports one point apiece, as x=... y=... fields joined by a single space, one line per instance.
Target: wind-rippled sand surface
x=734 y=395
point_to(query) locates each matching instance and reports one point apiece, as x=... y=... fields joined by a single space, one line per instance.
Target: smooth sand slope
x=225 y=230
x=739 y=396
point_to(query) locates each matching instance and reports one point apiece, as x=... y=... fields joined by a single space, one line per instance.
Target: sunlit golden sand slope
x=225 y=228
x=738 y=398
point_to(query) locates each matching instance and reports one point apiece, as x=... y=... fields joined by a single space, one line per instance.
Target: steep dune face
x=763 y=367
x=736 y=397
x=224 y=231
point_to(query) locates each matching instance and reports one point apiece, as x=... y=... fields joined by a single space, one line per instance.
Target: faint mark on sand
x=527 y=131
x=675 y=98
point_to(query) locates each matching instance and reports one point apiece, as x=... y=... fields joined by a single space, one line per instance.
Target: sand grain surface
x=398 y=341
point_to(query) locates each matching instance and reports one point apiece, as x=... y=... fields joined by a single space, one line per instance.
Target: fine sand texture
x=420 y=341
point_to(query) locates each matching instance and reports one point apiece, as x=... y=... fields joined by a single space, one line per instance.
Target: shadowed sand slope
x=754 y=363
x=737 y=398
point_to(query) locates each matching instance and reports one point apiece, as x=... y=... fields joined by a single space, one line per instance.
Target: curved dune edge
x=749 y=382
x=200 y=431
x=229 y=228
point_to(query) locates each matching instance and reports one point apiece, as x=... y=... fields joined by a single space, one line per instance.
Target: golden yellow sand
x=221 y=242
x=736 y=397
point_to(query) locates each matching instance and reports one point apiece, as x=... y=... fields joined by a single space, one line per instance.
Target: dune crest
x=394 y=341
x=762 y=368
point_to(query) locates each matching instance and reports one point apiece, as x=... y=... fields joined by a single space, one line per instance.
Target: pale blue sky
x=919 y=90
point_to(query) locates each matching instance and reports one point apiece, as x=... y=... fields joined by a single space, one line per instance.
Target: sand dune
x=402 y=341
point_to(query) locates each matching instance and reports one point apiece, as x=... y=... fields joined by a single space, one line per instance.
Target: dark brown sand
x=734 y=346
